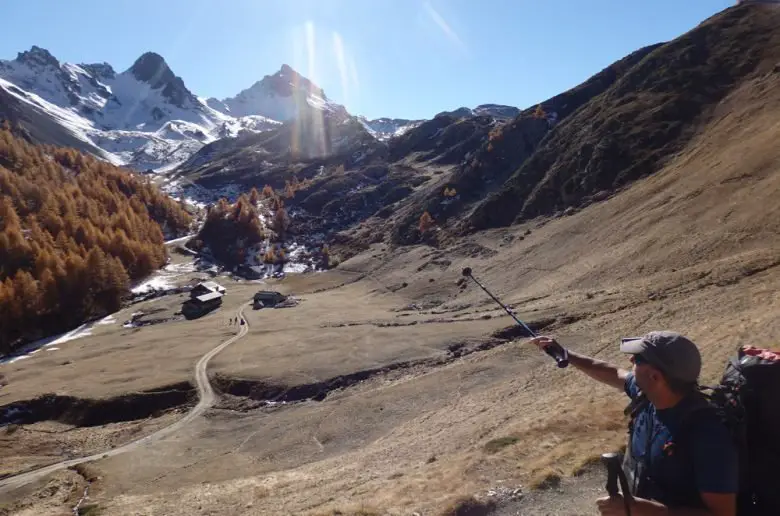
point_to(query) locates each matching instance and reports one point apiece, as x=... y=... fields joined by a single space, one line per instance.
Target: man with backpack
x=681 y=459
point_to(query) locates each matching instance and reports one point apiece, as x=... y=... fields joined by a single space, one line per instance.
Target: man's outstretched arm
x=596 y=369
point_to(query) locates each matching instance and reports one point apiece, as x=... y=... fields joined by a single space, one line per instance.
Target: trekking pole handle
x=612 y=473
x=559 y=353
x=615 y=473
x=628 y=499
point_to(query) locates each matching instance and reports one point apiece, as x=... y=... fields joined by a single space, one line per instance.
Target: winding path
x=205 y=401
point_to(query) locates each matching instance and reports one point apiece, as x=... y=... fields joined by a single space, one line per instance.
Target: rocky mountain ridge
x=575 y=149
x=146 y=117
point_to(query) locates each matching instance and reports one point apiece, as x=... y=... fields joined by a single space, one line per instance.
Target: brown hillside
x=635 y=127
x=487 y=156
x=510 y=145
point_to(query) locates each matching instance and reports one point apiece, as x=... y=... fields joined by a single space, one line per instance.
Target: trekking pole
x=559 y=353
x=614 y=473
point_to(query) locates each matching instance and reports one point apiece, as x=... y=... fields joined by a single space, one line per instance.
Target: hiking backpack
x=748 y=401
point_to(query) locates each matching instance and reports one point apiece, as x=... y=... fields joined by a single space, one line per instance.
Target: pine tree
x=96 y=265
x=50 y=299
x=117 y=280
x=255 y=229
x=242 y=205
x=281 y=221
x=8 y=217
x=426 y=222
x=9 y=314
x=27 y=295
x=15 y=252
x=5 y=316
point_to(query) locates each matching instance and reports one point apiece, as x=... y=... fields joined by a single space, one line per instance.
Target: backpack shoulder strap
x=701 y=409
x=637 y=405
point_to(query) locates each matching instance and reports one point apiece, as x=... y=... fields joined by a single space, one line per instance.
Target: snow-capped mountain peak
x=282 y=96
x=144 y=117
x=39 y=72
x=152 y=69
x=287 y=82
x=37 y=57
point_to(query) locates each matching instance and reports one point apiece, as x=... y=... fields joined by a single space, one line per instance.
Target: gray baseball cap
x=669 y=351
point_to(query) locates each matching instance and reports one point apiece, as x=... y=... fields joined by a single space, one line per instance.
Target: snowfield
x=163 y=279
x=49 y=343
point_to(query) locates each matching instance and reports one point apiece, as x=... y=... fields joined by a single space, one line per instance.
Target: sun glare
x=322 y=60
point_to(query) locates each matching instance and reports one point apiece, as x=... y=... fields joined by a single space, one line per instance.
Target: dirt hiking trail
x=205 y=401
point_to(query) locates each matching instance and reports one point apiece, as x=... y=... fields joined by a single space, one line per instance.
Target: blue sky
x=396 y=58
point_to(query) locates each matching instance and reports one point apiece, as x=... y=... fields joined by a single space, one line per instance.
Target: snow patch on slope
x=386 y=128
x=78 y=126
x=48 y=343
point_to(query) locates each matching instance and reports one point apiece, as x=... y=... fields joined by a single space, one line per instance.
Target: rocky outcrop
x=446 y=139
x=37 y=57
x=152 y=69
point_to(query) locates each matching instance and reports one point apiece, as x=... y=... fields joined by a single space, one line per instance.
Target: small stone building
x=267 y=298
x=204 y=297
x=200 y=305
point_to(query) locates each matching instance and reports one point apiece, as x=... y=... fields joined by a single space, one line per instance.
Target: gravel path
x=576 y=496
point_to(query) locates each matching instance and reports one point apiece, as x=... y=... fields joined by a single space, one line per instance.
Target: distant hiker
x=667 y=475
